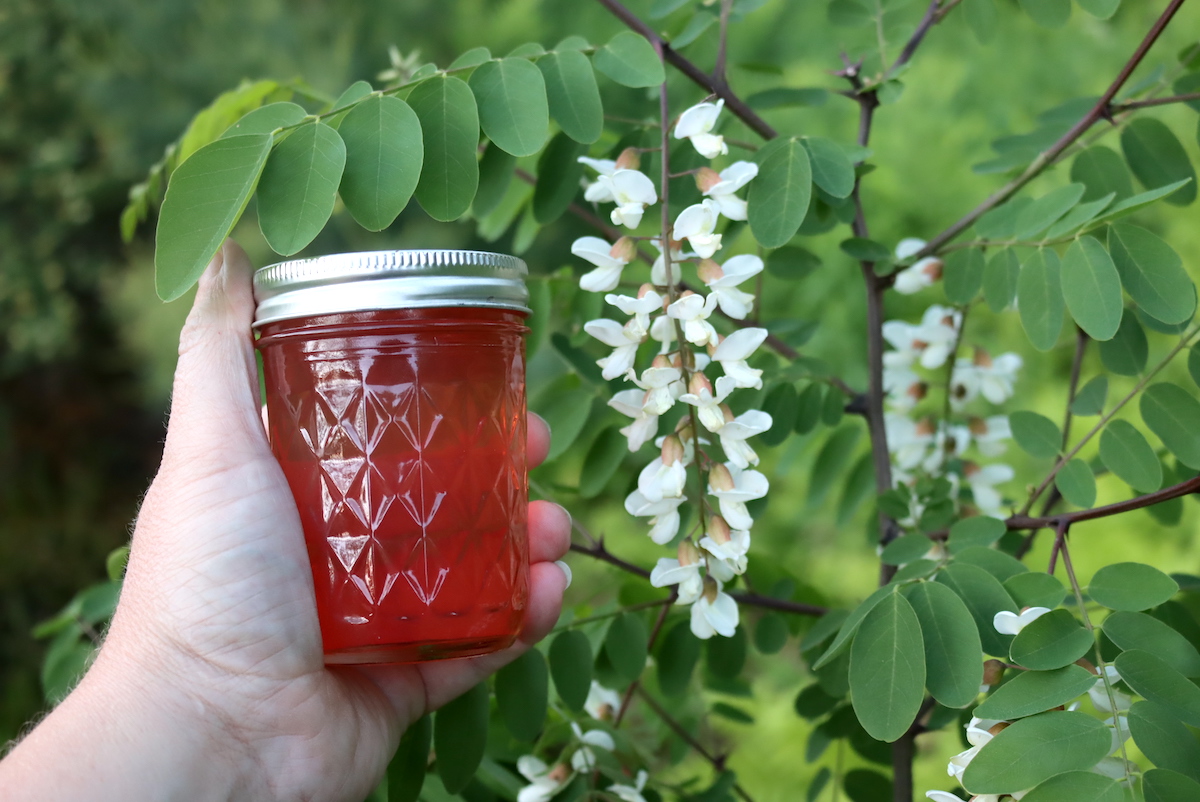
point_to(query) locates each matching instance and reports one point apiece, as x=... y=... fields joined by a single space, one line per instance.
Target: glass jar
x=395 y=385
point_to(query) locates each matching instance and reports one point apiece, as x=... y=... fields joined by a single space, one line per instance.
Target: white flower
x=684 y=571
x=658 y=481
x=937 y=334
x=697 y=123
x=601 y=702
x=696 y=224
x=997 y=375
x=734 y=433
x=733 y=487
x=658 y=271
x=1099 y=695
x=630 y=793
x=733 y=351
x=632 y=191
x=715 y=612
x=624 y=341
x=608 y=259
x=978 y=735
x=723 y=280
x=663 y=514
x=964 y=384
x=599 y=192
x=1007 y=623
x=645 y=423
x=545 y=782
x=942 y=796
x=903 y=386
x=663 y=384
x=908 y=441
x=639 y=308
x=983 y=483
x=693 y=311
x=728 y=549
x=708 y=406
x=584 y=758
x=990 y=434
x=909 y=246
x=731 y=179
x=916 y=277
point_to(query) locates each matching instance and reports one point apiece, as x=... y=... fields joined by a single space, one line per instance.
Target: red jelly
x=402 y=435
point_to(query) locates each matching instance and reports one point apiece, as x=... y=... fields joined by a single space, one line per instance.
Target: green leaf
x=207 y=126
x=115 y=562
x=832 y=169
x=812 y=702
x=887 y=669
x=781 y=404
x=495 y=174
x=206 y=196
x=1102 y=171
x=630 y=60
x=1152 y=677
x=1048 y=13
x=1126 y=353
x=513 y=111
x=406 y=771
x=573 y=95
x=472 y=58
x=571 y=668
x=1164 y=739
x=1001 y=222
x=1035 y=749
x=663 y=8
x=1164 y=785
x=1035 y=589
x=1131 y=586
x=583 y=365
x=1140 y=631
x=1036 y=434
x=1092 y=288
x=1174 y=415
x=808 y=408
x=559 y=172
x=850 y=626
x=267 y=119
x=1090 y=399
x=299 y=187
x=625 y=645
x=984 y=597
x=952 y=647
x=450 y=132
x=1031 y=692
x=1102 y=9
x=1152 y=273
x=771 y=634
x=567 y=417
x=700 y=22
x=1125 y=452
x=792 y=263
x=726 y=657
x=1140 y=201
x=981 y=17
x=1000 y=277
x=1193 y=363
x=1077 y=483
x=778 y=199
x=1054 y=640
x=1046 y=210
x=831 y=461
x=1040 y=300
x=1079 y=217
x=352 y=94
x=1157 y=158
x=864 y=785
x=906 y=549
x=677 y=657
x=866 y=250
x=995 y=562
x=460 y=731
x=602 y=461
x=521 y=688
x=384 y=155
x=1077 y=786
x=963 y=275
x=980 y=530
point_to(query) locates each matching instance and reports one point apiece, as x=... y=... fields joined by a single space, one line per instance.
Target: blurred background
x=91 y=93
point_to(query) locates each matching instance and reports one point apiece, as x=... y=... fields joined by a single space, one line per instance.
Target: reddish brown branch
x=1052 y=521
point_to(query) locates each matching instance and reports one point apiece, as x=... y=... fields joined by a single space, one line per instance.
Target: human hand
x=217 y=626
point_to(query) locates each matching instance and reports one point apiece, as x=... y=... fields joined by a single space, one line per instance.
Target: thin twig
x=1130 y=105
x=1185 y=488
x=1048 y=157
x=930 y=19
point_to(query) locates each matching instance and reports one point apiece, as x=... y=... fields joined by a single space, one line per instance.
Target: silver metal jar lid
x=372 y=280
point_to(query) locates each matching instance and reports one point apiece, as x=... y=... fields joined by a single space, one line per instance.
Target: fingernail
x=543 y=420
x=566 y=569
x=570 y=518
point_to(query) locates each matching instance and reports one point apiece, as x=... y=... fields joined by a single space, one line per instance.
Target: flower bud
x=560 y=773
x=661 y=361
x=993 y=672
x=710 y=589
x=917 y=391
x=699 y=384
x=707 y=178
x=1085 y=663
x=718 y=530
x=719 y=477
x=977 y=425
x=672 y=450
x=688 y=554
x=926 y=427
x=645 y=289
x=933 y=268
x=982 y=358
x=709 y=271
x=684 y=429
x=970 y=469
x=712 y=346
x=630 y=159
x=624 y=250
x=727 y=412
x=998 y=727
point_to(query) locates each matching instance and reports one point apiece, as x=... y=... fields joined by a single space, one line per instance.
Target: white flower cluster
x=981 y=731
x=546 y=781
x=688 y=344
x=925 y=445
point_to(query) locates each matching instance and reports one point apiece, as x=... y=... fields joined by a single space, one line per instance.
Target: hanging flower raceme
x=683 y=571
x=733 y=487
x=645 y=424
x=722 y=281
x=727 y=549
x=663 y=383
x=624 y=340
x=621 y=183
x=721 y=186
x=715 y=612
x=737 y=430
x=608 y=259
x=733 y=351
x=708 y=406
x=696 y=124
x=693 y=311
x=697 y=224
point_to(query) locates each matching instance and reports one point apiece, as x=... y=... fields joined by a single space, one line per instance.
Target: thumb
x=215 y=416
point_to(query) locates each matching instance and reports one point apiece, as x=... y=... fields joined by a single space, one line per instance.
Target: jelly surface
x=402 y=436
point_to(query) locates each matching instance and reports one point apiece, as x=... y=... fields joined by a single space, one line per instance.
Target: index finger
x=537 y=440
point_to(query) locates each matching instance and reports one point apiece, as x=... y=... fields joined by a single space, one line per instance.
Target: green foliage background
x=92 y=92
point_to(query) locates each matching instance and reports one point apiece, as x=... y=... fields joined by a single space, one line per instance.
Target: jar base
x=417 y=652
